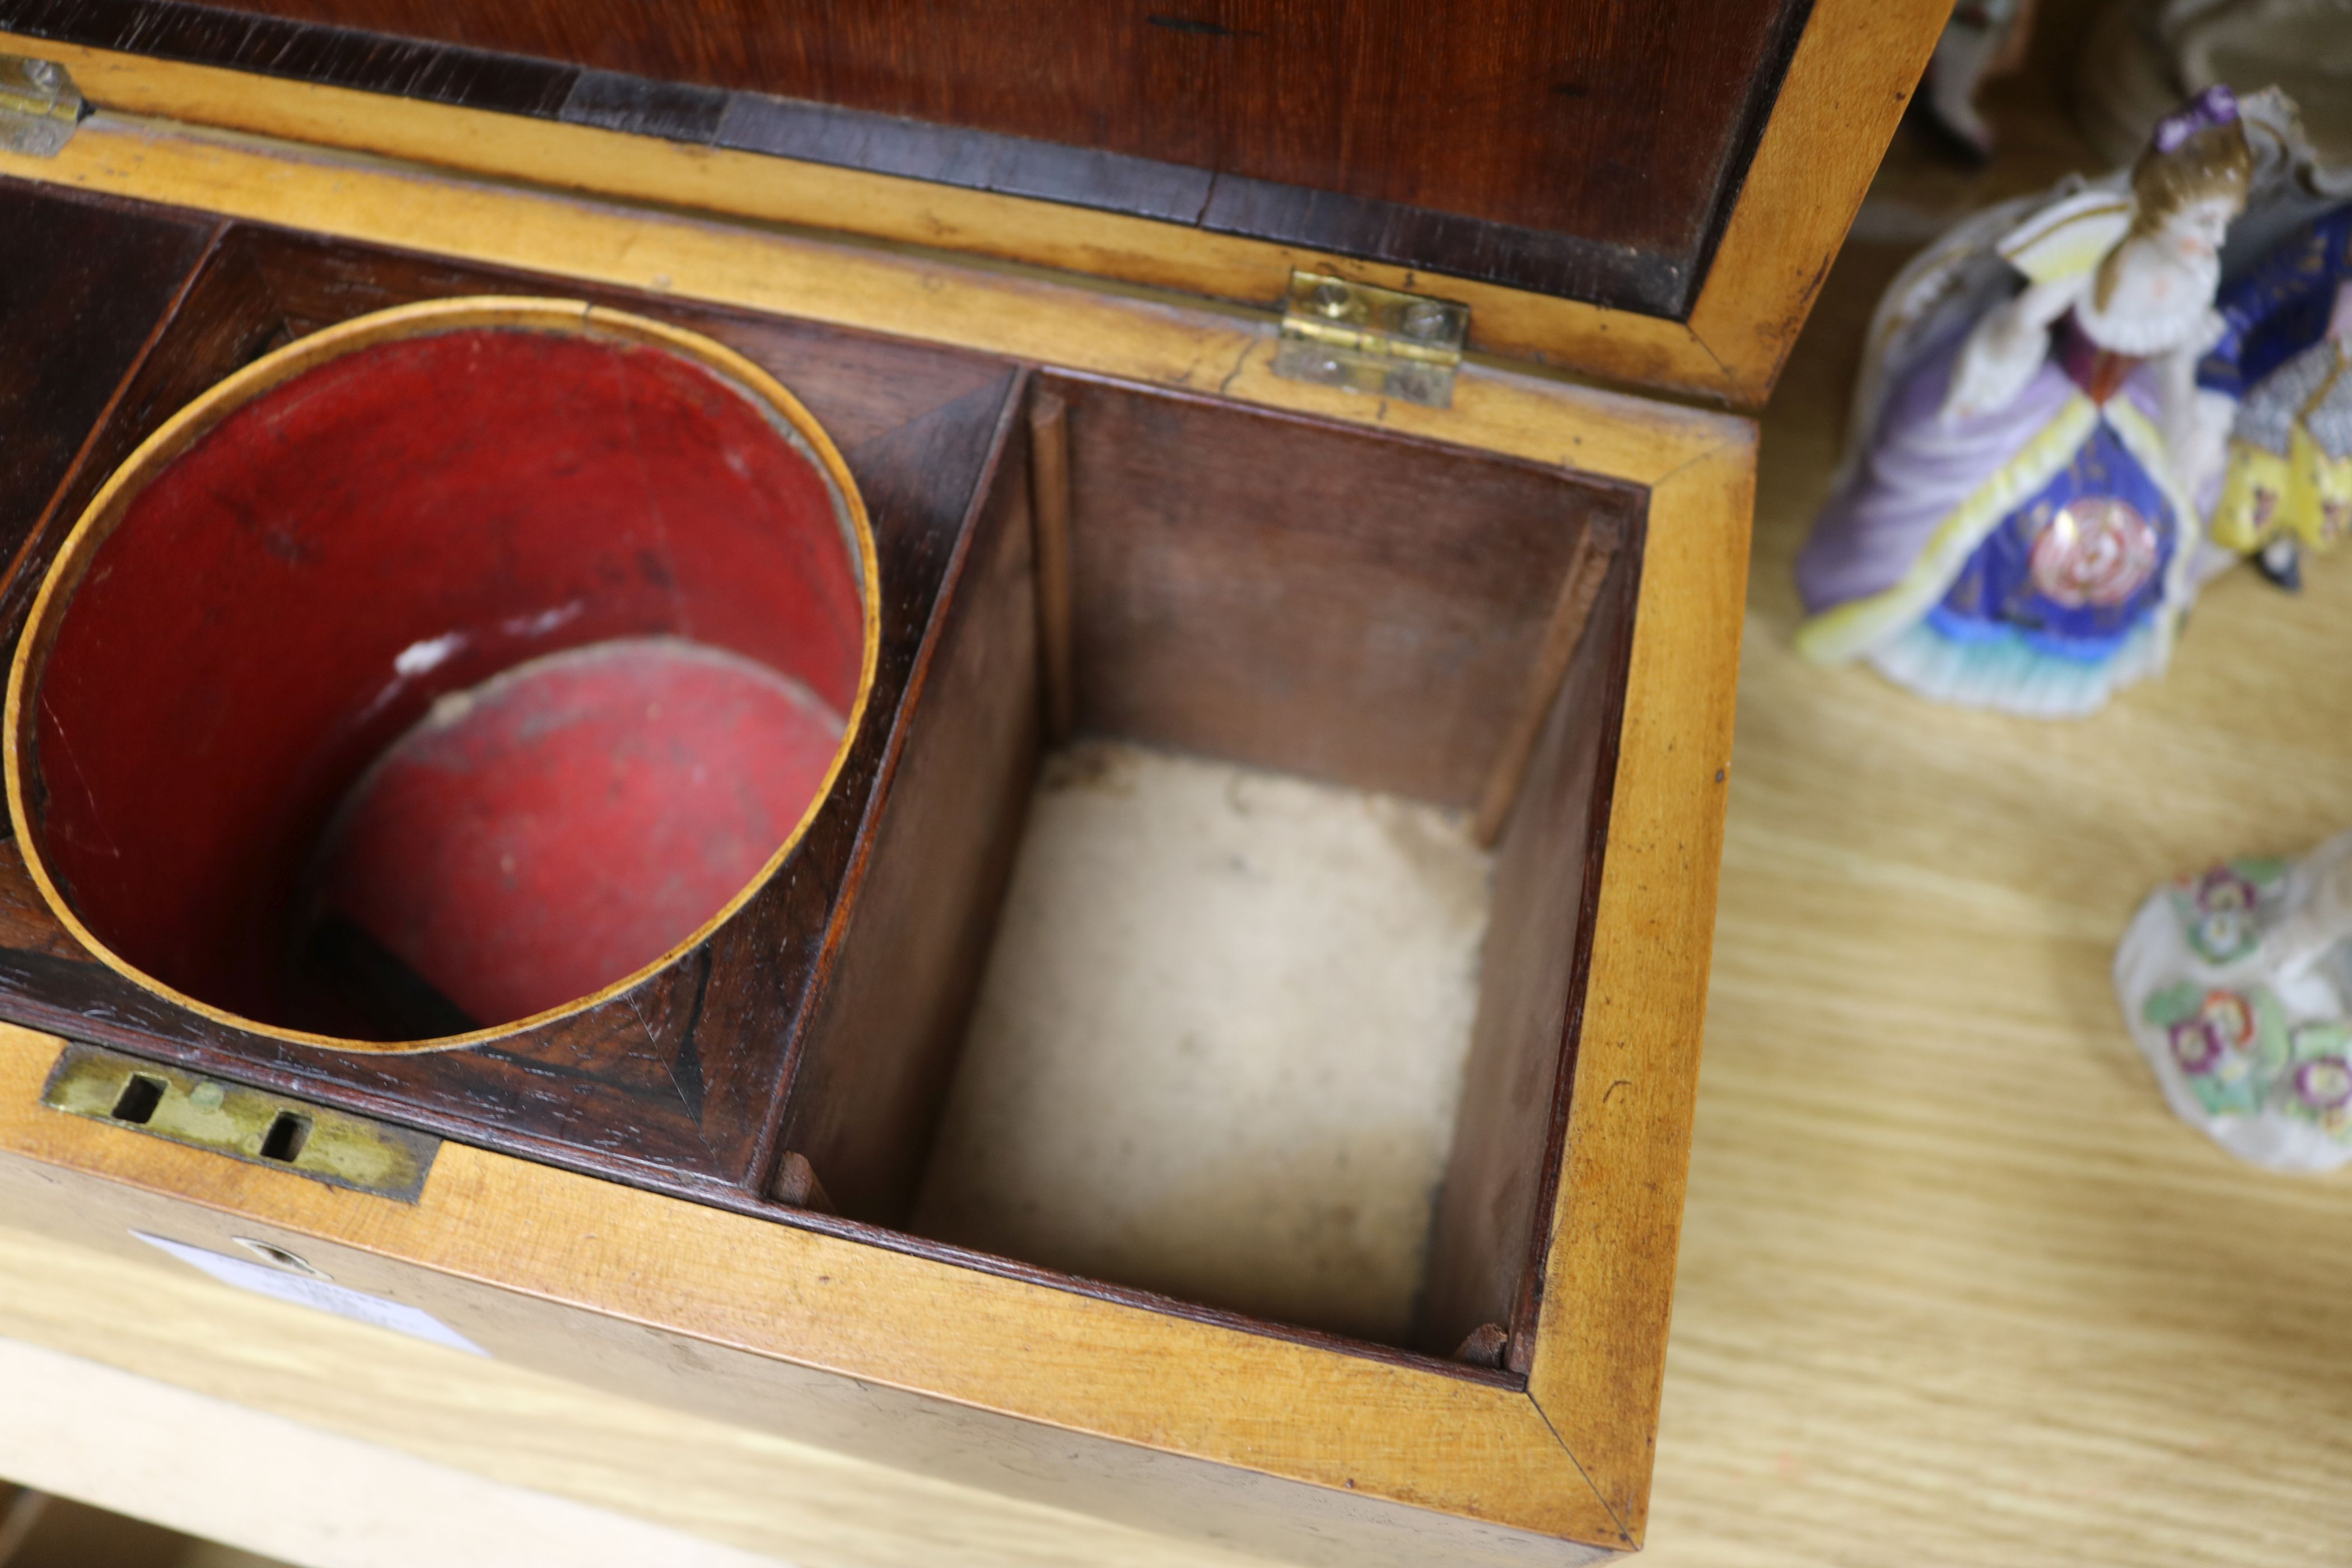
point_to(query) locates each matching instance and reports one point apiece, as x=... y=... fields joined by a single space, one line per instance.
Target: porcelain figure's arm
x=2320 y=920
x=2196 y=420
x=2006 y=348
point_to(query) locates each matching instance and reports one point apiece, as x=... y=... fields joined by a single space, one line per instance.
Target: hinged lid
x=1640 y=190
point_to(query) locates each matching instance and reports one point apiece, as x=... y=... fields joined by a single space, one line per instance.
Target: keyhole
x=286 y=1137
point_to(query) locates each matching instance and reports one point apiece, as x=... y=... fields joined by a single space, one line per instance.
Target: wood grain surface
x=1956 y=1287
x=872 y=1067
x=1292 y=1450
x=1066 y=323
x=1956 y=1292
x=1612 y=120
x=1218 y=544
x=1486 y=1249
x=1589 y=149
x=1580 y=587
x=702 y=1099
x=311 y=1498
x=1049 y=528
x=691 y=1061
x=1845 y=87
x=397 y=1401
x=1189 y=1423
x=119 y=269
x=1211 y=550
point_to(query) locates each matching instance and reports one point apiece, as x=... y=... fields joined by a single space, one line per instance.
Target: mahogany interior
x=1590 y=149
x=1333 y=601
x=1317 y=600
x=296 y=590
x=1366 y=610
x=674 y=1084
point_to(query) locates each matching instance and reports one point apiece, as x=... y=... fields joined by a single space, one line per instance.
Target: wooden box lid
x=1642 y=192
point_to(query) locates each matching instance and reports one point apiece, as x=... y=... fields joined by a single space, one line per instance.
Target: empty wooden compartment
x=1416 y=624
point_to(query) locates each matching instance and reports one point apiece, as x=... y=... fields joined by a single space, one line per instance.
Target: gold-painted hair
x=2215 y=162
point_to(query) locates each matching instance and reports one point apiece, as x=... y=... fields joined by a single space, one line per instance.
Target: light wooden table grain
x=1956 y=1288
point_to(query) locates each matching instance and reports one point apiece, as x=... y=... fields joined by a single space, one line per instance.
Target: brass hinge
x=331 y=1146
x=39 y=106
x=1392 y=344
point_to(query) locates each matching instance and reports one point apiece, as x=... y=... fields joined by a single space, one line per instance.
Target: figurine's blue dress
x=2033 y=558
x=2290 y=469
x=2280 y=306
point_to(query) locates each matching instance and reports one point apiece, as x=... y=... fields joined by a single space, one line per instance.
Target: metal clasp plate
x=1380 y=341
x=329 y=1146
x=39 y=106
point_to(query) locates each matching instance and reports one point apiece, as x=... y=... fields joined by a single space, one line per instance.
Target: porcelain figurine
x=1985 y=38
x=2018 y=528
x=2237 y=986
x=2288 y=352
x=2139 y=58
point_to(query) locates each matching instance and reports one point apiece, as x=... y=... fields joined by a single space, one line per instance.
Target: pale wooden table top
x=1956 y=1288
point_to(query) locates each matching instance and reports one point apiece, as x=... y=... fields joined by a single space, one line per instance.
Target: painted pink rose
x=2096 y=551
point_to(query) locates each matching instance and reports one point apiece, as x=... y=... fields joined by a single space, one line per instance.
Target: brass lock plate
x=248 y=1124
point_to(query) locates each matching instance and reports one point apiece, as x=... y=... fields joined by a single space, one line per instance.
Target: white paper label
x=322 y=1294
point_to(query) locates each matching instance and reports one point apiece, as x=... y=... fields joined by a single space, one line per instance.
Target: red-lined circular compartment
x=442 y=670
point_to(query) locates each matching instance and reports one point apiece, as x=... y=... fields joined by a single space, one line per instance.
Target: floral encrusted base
x=2233 y=983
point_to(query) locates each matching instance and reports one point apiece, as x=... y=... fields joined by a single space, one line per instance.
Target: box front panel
x=1303 y=1419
